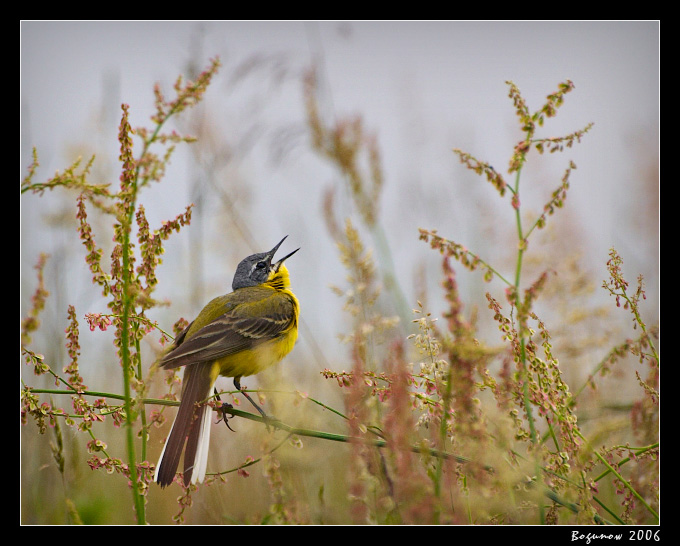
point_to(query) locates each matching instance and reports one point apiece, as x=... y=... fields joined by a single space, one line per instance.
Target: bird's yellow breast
x=258 y=358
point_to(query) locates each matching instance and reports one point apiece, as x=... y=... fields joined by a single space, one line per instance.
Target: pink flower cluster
x=97 y=320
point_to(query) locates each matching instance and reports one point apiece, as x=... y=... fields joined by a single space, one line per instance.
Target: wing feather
x=243 y=326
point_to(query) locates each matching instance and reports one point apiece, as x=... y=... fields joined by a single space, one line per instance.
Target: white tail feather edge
x=201 y=460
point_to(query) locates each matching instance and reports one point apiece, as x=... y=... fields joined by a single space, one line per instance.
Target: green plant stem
x=522 y=330
x=343 y=438
x=274 y=424
x=638 y=319
x=637 y=450
x=127 y=369
x=127 y=299
x=125 y=332
x=609 y=511
x=628 y=486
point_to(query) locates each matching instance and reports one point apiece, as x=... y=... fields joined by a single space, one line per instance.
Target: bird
x=235 y=335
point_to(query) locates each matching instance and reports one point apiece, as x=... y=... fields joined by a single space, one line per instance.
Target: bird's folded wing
x=244 y=326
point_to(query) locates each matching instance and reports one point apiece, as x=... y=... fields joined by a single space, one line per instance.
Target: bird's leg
x=237 y=384
x=225 y=415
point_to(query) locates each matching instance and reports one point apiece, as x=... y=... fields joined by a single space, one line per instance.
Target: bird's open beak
x=276 y=266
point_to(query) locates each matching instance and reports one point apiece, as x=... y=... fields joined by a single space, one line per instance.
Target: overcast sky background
x=423 y=88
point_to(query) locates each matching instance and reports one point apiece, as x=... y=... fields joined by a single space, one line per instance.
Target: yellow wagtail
x=235 y=335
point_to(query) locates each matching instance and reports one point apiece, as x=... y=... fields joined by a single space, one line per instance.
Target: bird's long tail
x=191 y=426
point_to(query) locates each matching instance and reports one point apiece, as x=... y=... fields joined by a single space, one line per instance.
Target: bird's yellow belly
x=260 y=357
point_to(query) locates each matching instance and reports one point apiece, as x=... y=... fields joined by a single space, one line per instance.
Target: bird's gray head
x=256 y=269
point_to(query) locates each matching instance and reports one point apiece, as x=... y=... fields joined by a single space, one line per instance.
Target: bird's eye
x=261 y=265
